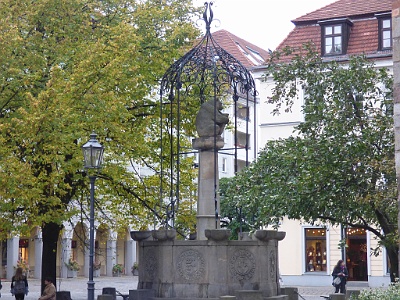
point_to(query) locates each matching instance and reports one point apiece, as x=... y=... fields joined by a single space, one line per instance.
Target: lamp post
x=93 y=158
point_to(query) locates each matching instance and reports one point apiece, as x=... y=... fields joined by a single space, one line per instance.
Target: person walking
x=19 y=285
x=49 y=292
x=340 y=271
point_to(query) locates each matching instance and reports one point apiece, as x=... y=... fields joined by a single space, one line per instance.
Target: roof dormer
x=335 y=35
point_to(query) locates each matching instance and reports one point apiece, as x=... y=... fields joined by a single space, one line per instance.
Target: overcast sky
x=264 y=23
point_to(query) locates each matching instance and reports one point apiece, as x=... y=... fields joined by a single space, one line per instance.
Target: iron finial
x=208 y=15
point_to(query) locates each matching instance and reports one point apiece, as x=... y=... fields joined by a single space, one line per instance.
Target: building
x=339 y=30
x=250 y=56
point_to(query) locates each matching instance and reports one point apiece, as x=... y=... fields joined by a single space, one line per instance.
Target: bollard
x=63 y=295
x=291 y=292
x=105 y=297
x=337 y=296
x=110 y=291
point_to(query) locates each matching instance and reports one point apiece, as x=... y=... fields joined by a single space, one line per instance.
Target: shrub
x=23 y=264
x=118 y=268
x=390 y=293
x=72 y=265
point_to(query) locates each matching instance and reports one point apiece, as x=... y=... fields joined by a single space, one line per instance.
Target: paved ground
x=78 y=288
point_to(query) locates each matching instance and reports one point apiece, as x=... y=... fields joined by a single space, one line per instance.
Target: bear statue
x=210 y=120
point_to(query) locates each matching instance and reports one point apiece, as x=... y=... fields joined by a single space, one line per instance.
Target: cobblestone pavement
x=78 y=288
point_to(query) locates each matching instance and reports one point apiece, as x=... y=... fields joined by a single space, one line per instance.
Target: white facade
x=294 y=257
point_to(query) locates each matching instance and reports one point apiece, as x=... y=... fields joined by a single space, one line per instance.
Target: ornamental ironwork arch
x=205 y=72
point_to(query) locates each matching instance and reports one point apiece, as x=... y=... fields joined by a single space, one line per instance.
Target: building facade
x=309 y=253
x=111 y=248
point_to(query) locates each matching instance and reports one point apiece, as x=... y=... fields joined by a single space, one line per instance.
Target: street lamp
x=93 y=158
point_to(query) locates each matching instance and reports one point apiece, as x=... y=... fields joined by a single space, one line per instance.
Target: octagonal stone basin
x=140 y=235
x=217 y=234
x=266 y=235
x=164 y=234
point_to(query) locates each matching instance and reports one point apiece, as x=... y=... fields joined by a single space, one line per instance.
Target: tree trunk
x=50 y=234
x=394 y=262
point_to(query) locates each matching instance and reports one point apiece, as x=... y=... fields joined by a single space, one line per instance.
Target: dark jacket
x=24 y=279
x=340 y=269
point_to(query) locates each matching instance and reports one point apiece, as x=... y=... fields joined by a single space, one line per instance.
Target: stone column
x=111 y=256
x=86 y=259
x=38 y=257
x=65 y=255
x=207 y=183
x=130 y=255
x=12 y=255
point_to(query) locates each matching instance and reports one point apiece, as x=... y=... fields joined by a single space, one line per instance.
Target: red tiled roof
x=347 y=8
x=229 y=42
x=363 y=37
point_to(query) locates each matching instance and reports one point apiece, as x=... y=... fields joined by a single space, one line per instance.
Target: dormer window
x=335 y=36
x=333 y=39
x=248 y=55
x=385 y=32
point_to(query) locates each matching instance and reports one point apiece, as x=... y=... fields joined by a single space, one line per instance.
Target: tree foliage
x=338 y=167
x=68 y=68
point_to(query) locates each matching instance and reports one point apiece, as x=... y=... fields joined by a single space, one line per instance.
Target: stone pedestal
x=209 y=268
x=208 y=201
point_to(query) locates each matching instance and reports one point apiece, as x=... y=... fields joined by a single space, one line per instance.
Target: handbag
x=337 y=281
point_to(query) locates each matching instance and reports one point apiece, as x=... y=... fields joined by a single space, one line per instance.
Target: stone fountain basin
x=217 y=234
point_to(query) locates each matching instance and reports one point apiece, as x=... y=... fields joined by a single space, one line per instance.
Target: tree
x=70 y=67
x=234 y=217
x=339 y=166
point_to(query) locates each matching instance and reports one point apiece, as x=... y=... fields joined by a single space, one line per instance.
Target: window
x=333 y=39
x=243 y=140
x=315 y=249
x=335 y=36
x=385 y=33
x=241 y=164
x=242 y=112
x=256 y=54
x=224 y=162
x=248 y=55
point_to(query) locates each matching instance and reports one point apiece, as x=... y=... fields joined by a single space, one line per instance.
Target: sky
x=264 y=23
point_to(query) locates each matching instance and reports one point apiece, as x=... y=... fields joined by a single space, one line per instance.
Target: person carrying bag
x=340 y=275
x=19 y=285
